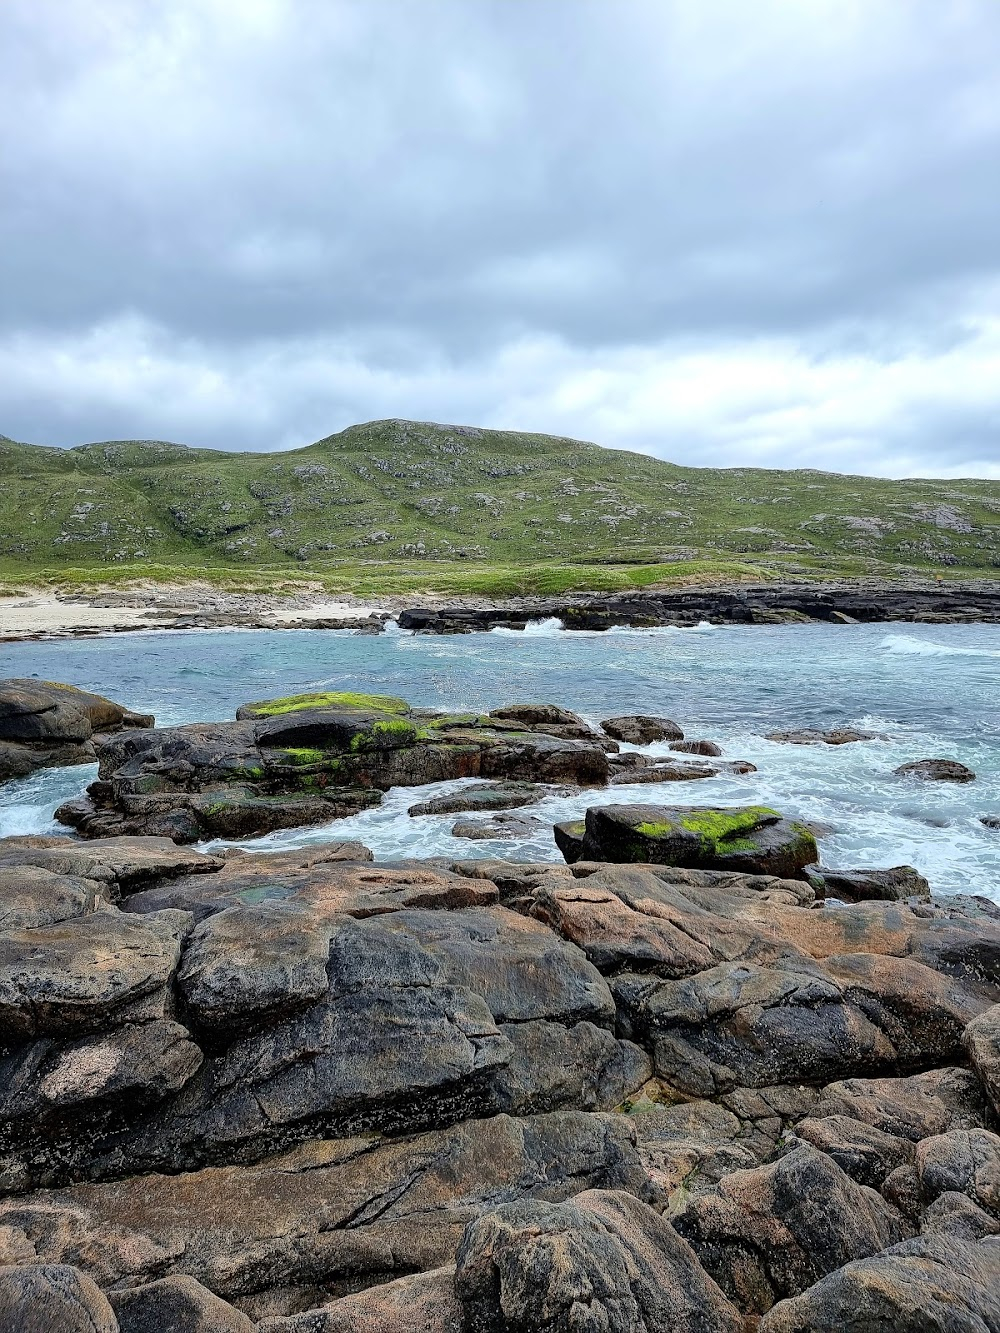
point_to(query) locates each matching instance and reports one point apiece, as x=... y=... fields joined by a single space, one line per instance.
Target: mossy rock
x=296 y=703
x=754 y=839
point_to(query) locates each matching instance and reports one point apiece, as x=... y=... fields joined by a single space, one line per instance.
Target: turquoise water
x=933 y=691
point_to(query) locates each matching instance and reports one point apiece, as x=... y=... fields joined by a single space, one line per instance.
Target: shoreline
x=44 y=615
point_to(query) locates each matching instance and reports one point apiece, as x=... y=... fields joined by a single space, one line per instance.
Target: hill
x=413 y=492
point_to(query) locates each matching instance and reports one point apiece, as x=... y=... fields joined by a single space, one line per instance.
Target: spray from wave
x=902 y=645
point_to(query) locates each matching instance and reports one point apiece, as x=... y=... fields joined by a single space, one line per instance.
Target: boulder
x=604 y=1261
x=45 y=723
x=666 y=770
x=176 y=1303
x=865 y=1153
x=890 y=884
x=953 y=1214
x=52 y=1298
x=913 y=1108
x=933 y=1284
x=963 y=1161
x=553 y=1067
x=535 y=714
x=121 y=864
x=936 y=770
x=637 y=729
x=747 y=838
x=771 y=1232
x=991 y=821
x=697 y=747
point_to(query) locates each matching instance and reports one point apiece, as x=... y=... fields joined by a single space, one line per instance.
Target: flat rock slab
x=484 y=796
x=638 y=729
x=811 y=736
x=499 y=826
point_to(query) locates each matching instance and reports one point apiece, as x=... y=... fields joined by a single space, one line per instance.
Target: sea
x=928 y=691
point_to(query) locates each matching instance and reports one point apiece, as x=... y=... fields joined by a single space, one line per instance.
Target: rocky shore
x=688 y=1079
x=45 y=615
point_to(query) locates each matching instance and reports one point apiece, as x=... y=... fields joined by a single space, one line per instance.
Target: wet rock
x=424 y=1302
x=637 y=729
x=176 y=1303
x=483 y=796
x=748 y=838
x=771 y=1232
x=930 y=1283
x=665 y=770
x=605 y=1261
x=936 y=770
x=891 y=884
x=44 y=723
x=991 y=821
x=44 y=1298
x=697 y=747
x=534 y=714
x=499 y=827
x=812 y=736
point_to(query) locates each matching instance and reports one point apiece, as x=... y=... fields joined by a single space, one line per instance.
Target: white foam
x=906 y=644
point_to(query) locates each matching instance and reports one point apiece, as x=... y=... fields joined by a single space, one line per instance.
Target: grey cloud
x=422 y=184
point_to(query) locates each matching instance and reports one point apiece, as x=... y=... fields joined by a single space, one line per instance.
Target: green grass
x=296 y=703
x=407 y=507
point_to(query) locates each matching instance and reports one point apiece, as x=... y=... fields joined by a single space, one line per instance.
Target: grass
x=408 y=507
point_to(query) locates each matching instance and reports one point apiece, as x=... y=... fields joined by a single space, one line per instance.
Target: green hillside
x=411 y=492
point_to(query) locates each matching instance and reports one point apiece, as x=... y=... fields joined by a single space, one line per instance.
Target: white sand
x=47 y=613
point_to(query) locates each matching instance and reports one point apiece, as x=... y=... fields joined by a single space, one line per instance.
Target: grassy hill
x=416 y=495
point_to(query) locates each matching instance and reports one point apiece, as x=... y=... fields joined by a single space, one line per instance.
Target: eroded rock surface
x=44 y=724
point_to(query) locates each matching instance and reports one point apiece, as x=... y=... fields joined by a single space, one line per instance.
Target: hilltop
x=418 y=494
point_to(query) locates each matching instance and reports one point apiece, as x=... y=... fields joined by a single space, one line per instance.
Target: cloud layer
x=716 y=232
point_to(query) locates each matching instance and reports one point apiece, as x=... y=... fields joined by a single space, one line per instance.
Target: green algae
x=296 y=703
x=379 y=734
x=303 y=755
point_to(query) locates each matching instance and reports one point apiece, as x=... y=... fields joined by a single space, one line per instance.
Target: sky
x=717 y=232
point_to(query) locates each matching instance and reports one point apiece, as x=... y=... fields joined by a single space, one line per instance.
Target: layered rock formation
x=310 y=1093
x=44 y=724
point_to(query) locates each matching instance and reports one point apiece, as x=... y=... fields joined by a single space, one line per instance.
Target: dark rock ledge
x=311 y=1093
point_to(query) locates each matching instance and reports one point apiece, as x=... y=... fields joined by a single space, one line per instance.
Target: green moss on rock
x=296 y=703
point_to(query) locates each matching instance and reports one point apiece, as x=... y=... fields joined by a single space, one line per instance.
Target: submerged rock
x=44 y=724
x=811 y=736
x=891 y=883
x=748 y=838
x=936 y=770
x=482 y=796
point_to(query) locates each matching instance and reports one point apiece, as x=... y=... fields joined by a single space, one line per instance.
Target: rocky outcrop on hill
x=44 y=724
x=309 y=1092
x=311 y=758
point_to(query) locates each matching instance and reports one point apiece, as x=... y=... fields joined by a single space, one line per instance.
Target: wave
x=550 y=625
x=906 y=645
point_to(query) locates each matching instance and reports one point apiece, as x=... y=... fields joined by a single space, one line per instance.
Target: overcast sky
x=716 y=231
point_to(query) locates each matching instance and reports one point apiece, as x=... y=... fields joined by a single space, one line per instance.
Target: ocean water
x=930 y=691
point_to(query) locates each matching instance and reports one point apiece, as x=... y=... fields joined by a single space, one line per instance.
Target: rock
x=533 y=714
x=890 y=884
x=954 y=1214
x=553 y=1067
x=333 y=878
x=637 y=729
x=697 y=747
x=423 y=1301
x=605 y=1261
x=913 y=1108
x=569 y=838
x=52 y=1298
x=309 y=759
x=176 y=1303
x=991 y=821
x=31 y=897
x=936 y=770
x=482 y=796
x=865 y=1153
x=811 y=736
x=44 y=723
x=982 y=1044
x=500 y=826
x=88 y=973
x=771 y=1232
x=281 y=1237
x=931 y=1283
x=664 y=770
x=748 y=838
x=124 y=864
x=963 y=1161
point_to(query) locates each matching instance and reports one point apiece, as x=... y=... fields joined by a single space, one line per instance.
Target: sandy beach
x=45 y=614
